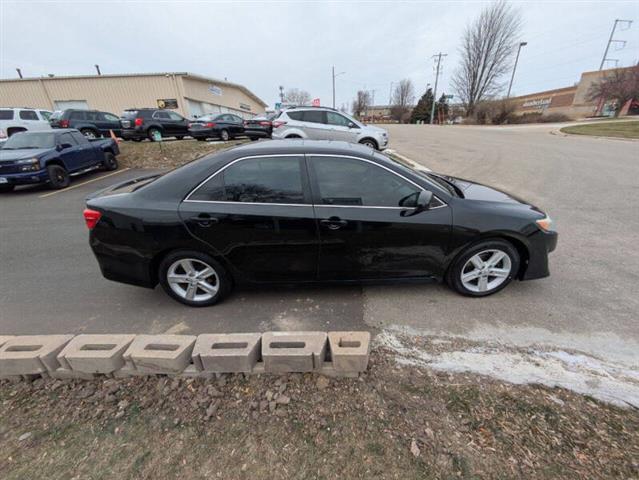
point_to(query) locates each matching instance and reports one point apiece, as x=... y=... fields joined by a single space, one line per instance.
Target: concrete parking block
x=293 y=351
x=4 y=339
x=31 y=354
x=95 y=353
x=227 y=353
x=160 y=353
x=65 y=374
x=349 y=350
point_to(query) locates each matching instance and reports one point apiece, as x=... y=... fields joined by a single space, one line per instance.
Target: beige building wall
x=115 y=93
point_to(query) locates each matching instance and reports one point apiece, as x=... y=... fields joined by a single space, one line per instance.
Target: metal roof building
x=189 y=94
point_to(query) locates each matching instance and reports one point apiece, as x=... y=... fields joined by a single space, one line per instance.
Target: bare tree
x=487 y=50
x=620 y=85
x=402 y=100
x=361 y=102
x=297 y=96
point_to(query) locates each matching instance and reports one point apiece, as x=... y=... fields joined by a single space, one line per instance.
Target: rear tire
x=224 y=135
x=473 y=274
x=89 y=133
x=136 y=139
x=110 y=162
x=180 y=137
x=254 y=139
x=58 y=177
x=189 y=265
x=200 y=139
x=151 y=133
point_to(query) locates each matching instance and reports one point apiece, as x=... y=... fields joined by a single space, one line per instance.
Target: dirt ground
x=167 y=154
x=392 y=422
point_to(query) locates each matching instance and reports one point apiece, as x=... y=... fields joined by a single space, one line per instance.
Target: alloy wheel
x=486 y=270
x=193 y=280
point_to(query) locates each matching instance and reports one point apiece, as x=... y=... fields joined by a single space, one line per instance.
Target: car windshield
x=129 y=114
x=21 y=141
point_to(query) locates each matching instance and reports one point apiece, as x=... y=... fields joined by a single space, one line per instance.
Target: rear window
x=77 y=116
x=6 y=114
x=129 y=114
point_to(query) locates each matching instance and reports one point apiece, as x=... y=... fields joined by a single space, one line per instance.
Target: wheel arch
x=12 y=130
x=362 y=140
x=154 y=264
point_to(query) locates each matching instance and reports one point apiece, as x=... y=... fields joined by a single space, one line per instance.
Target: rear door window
x=77 y=116
x=314 y=116
x=256 y=180
x=28 y=115
x=6 y=114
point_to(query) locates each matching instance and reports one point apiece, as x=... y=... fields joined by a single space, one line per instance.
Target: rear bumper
x=120 y=266
x=27 y=178
x=129 y=134
x=541 y=244
x=257 y=133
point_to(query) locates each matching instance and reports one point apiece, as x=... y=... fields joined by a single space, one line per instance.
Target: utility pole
x=439 y=60
x=281 y=93
x=335 y=75
x=390 y=95
x=611 y=40
x=521 y=44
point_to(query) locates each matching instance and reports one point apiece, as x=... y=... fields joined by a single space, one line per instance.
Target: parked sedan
x=224 y=126
x=259 y=127
x=309 y=211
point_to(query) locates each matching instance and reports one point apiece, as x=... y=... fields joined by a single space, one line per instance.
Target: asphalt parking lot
x=51 y=283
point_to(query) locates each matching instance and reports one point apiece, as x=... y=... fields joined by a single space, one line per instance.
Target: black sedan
x=312 y=211
x=259 y=127
x=224 y=126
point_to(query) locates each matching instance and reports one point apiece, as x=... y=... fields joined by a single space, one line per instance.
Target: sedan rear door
x=368 y=228
x=256 y=213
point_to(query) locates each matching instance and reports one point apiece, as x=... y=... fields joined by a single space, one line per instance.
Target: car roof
x=325 y=147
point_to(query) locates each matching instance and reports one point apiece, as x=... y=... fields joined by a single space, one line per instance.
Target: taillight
x=190 y=125
x=91 y=217
x=64 y=123
x=138 y=122
x=266 y=124
x=278 y=123
x=210 y=124
x=246 y=123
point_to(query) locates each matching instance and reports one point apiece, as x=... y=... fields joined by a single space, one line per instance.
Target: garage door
x=66 y=104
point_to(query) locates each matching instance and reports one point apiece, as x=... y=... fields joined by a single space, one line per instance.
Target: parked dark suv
x=141 y=123
x=92 y=123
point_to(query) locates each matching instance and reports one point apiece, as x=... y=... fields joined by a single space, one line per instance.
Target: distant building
x=570 y=101
x=189 y=94
x=379 y=114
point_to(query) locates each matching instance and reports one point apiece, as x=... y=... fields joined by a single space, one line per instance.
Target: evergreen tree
x=421 y=112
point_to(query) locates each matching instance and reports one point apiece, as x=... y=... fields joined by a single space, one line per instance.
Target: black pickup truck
x=52 y=157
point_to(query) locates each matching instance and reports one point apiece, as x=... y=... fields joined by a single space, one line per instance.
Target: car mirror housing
x=422 y=203
x=63 y=146
x=352 y=125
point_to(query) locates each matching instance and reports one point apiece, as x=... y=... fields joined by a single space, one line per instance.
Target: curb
x=408 y=161
x=339 y=354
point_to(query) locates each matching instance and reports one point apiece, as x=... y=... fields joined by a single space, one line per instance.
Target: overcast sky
x=266 y=44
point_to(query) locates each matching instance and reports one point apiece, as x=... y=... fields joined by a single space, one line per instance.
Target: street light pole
x=512 y=77
x=335 y=75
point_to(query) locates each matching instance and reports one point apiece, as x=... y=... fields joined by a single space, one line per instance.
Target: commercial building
x=574 y=102
x=189 y=94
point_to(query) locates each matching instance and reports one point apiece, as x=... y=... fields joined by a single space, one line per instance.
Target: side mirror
x=63 y=146
x=352 y=125
x=422 y=203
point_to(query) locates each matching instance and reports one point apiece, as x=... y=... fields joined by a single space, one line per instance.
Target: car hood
x=13 y=155
x=481 y=192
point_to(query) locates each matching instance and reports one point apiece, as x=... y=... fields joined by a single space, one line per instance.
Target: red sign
x=316 y=102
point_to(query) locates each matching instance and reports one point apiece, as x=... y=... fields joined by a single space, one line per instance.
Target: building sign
x=541 y=102
x=167 y=103
x=316 y=102
x=246 y=107
x=215 y=90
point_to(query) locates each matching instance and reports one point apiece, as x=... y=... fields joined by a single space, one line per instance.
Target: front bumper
x=540 y=245
x=26 y=178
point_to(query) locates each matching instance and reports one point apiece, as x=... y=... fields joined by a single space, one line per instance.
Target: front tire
x=369 y=142
x=194 y=278
x=224 y=135
x=110 y=162
x=7 y=188
x=484 y=268
x=58 y=177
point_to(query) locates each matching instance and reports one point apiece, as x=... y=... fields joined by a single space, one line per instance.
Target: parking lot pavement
x=50 y=281
x=589 y=187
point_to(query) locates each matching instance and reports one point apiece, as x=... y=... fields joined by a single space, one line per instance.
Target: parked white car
x=14 y=120
x=323 y=123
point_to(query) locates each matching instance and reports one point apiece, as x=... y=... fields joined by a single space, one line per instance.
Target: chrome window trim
x=221 y=169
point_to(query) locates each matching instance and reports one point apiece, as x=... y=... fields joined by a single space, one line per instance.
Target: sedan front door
x=257 y=214
x=367 y=226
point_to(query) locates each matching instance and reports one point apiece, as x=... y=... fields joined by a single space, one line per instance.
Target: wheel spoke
x=177 y=278
x=483 y=284
x=190 y=291
x=206 y=273
x=477 y=261
x=468 y=276
x=495 y=258
x=187 y=265
x=498 y=272
x=207 y=287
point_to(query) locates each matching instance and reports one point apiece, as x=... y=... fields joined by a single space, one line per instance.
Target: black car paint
x=150 y=119
x=93 y=120
x=278 y=243
x=259 y=127
x=233 y=124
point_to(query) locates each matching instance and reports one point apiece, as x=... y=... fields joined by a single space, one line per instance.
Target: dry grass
x=620 y=129
x=167 y=154
x=460 y=426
